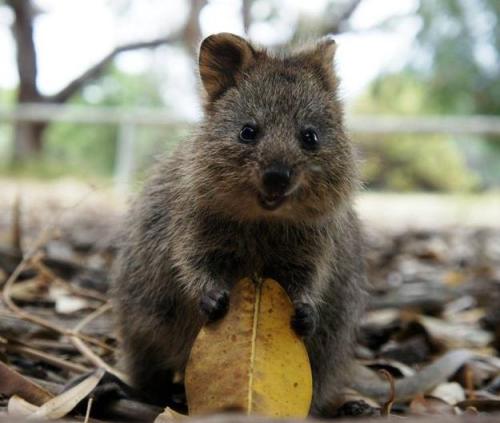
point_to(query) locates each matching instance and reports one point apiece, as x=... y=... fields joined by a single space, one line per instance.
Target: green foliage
x=409 y=162
x=455 y=70
x=401 y=93
x=431 y=163
x=81 y=147
x=91 y=149
x=7 y=98
x=461 y=40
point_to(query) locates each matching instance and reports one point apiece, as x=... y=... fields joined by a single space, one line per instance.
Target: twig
x=469 y=382
x=27 y=258
x=16 y=224
x=48 y=344
x=24 y=315
x=89 y=407
x=387 y=406
x=51 y=386
x=44 y=237
x=87 y=352
x=47 y=358
x=92 y=316
x=3 y=277
x=96 y=70
x=50 y=275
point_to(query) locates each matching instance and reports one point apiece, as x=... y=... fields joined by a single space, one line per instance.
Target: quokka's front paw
x=214 y=303
x=305 y=319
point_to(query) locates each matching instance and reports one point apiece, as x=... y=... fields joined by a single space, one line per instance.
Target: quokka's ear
x=319 y=56
x=326 y=49
x=323 y=52
x=223 y=58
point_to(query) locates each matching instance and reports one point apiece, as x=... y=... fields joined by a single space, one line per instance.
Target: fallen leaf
x=251 y=361
x=61 y=405
x=17 y=407
x=366 y=382
x=422 y=406
x=28 y=291
x=454 y=278
x=456 y=335
x=450 y=393
x=68 y=304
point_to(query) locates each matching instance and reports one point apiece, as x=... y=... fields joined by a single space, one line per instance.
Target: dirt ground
x=433 y=263
x=387 y=211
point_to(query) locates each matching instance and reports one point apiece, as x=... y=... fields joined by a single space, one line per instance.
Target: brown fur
x=198 y=226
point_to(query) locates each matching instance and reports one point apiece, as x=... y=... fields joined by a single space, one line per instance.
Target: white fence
x=129 y=119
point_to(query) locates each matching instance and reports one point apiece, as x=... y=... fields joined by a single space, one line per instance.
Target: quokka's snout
x=276 y=181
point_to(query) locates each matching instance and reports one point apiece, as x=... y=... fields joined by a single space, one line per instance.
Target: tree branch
x=336 y=26
x=26 y=53
x=189 y=34
x=246 y=7
x=97 y=69
x=192 y=31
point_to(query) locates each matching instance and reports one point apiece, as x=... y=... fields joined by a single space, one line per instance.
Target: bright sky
x=72 y=35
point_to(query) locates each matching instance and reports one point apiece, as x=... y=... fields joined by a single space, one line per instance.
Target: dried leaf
x=18 y=407
x=251 y=361
x=12 y=383
x=421 y=406
x=450 y=393
x=29 y=291
x=423 y=381
x=454 y=278
x=62 y=404
x=457 y=335
x=69 y=304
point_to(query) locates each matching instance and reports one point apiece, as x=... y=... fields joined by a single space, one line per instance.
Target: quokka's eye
x=309 y=139
x=248 y=134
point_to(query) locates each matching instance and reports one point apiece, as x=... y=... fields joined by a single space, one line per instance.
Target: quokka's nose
x=276 y=179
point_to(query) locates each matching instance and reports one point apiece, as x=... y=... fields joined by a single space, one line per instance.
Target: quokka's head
x=272 y=144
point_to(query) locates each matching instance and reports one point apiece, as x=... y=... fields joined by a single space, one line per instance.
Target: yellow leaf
x=251 y=361
x=454 y=278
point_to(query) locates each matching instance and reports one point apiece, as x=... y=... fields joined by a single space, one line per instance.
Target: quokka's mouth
x=271 y=201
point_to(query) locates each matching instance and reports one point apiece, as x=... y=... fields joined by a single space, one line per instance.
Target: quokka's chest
x=264 y=252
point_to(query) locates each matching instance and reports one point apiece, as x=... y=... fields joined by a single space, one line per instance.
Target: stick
x=27 y=258
x=87 y=352
x=48 y=358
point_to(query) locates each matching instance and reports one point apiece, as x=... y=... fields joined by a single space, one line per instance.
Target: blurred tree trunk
x=192 y=30
x=28 y=136
x=246 y=9
x=334 y=20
